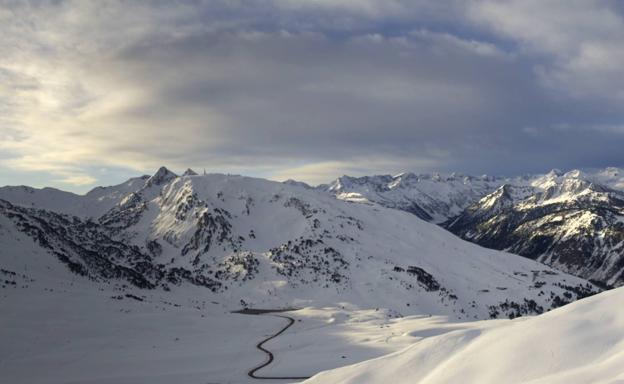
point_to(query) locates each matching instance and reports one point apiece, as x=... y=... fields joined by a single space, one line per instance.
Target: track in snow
x=291 y=321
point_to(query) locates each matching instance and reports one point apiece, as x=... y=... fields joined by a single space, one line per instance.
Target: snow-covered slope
x=568 y=221
x=580 y=343
x=261 y=243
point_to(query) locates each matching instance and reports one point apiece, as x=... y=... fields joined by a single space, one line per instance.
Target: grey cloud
x=580 y=39
x=281 y=87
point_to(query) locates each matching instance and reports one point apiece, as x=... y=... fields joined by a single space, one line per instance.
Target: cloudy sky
x=92 y=92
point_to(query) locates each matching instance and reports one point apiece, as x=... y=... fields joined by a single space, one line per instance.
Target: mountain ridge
x=255 y=242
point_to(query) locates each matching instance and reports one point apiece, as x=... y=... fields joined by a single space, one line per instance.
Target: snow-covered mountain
x=573 y=222
x=580 y=343
x=432 y=197
x=438 y=197
x=93 y=204
x=253 y=242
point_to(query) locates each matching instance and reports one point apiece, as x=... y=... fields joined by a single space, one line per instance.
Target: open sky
x=93 y=92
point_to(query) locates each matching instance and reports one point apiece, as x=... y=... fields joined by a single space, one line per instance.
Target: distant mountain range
x=259 y=243
x=572 y=221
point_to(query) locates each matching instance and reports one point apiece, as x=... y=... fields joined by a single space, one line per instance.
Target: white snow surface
x=65 y=329
x=580 y=343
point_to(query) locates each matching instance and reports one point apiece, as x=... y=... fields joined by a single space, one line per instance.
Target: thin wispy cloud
x=93 y=91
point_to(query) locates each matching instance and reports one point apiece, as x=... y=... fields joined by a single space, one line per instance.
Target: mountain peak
x=575 y=174
x=189 y=172
x=555 y=173
x=161 y=176
x=501 y=197
x=297 y=183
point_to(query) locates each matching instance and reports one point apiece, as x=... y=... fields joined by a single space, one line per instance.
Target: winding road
x=252 y=372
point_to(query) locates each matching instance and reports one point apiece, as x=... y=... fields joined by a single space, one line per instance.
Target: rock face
x=567 y=221
x=272 y=244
